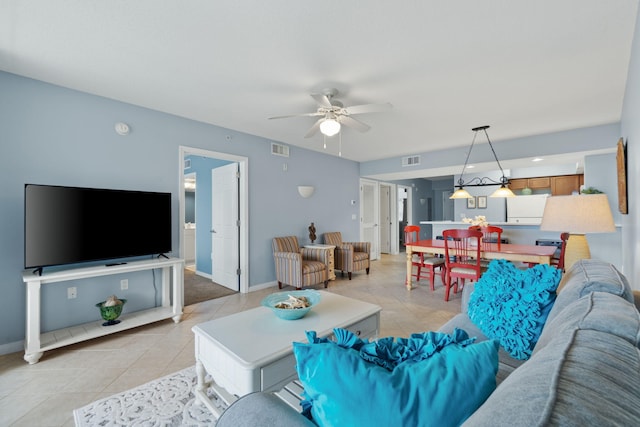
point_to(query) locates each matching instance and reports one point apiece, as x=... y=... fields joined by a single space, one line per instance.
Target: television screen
x=66 y=225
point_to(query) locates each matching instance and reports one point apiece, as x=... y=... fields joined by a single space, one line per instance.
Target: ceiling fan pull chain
x=324 y=137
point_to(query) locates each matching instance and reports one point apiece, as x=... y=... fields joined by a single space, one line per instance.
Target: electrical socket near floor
x=124 y=284
x=72 y=292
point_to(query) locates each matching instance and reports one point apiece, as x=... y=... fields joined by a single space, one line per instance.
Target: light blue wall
x=631 y=134
x=52 y=135
x=203 y=166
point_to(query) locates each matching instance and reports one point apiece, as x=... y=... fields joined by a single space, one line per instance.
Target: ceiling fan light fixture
x=329 y=127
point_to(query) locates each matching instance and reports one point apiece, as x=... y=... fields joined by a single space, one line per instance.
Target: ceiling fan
x=333 y=114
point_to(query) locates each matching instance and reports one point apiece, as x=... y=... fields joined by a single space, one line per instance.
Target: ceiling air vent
x=411 y=161
x=279 y=150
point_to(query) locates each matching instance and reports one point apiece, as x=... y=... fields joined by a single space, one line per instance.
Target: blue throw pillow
x=429 y=379
x=512 y=305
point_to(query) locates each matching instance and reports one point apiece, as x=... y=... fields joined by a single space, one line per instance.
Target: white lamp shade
x=306 y=191
x=578 y=214
x=461 y=193
x=330 y=127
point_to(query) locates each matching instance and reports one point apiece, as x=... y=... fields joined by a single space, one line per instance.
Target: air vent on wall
x=411 y=161
x=279 y=150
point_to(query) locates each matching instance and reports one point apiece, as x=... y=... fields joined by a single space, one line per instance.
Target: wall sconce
x=306 y=191
x=423 y=201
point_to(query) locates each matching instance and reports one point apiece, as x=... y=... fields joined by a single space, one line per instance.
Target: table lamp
x=577 y=215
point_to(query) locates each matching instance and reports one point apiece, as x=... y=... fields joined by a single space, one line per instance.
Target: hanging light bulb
x=330 y=126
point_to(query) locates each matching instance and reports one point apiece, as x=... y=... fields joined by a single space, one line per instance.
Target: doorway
x=241 y=202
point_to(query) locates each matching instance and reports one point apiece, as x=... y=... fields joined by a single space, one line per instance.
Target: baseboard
x=11 y=347
x=262 y=286
x=205 y=275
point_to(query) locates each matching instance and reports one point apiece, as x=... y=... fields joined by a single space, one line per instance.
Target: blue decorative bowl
x=270 y=301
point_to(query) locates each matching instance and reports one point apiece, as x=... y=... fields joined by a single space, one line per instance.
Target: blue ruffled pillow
x=428 y=379
x=512 y=305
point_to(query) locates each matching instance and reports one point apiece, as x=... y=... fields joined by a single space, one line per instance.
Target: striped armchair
x=299 y=267
x=349 y=256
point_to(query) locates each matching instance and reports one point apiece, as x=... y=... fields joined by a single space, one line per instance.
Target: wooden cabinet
x=565 y=185
x=558 y=185
x=540 y=182
x=518 y=184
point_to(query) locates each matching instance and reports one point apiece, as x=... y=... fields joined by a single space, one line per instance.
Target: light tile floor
x=46 y=393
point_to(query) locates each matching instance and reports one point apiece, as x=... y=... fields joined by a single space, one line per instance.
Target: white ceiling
x=524 y=67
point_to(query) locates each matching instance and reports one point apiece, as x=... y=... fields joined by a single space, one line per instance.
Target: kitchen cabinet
x=565 y=185
x=558 y=185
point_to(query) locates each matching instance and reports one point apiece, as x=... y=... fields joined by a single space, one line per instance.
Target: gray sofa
x=584 y=370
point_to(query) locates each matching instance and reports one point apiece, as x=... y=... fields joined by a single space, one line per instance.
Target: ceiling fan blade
x=351 y=122
x=369 y=108
x=298 y=115
x=314 y=128
x=322 y=100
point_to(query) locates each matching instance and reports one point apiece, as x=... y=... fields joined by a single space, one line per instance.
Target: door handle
x=213 y=231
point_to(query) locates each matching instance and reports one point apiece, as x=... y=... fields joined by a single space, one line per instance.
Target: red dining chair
x=426 y=265
x=558 y=261
x=462 y=257
x=491 y=239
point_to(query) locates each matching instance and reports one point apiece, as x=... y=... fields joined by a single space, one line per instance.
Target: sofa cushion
x=511 y=305
x=506 y=363
x=584 y=371
x=598 y=311
x=427 y=379
x=590 y=275
x=583 y=378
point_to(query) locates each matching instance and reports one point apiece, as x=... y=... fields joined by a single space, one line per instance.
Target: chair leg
x=349 y=274
x=326 y=283
x=279 y=285
x=341 y=273
x=432 y=278
x=447 y=287
x=367 y=270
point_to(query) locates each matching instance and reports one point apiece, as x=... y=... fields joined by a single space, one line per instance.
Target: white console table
x=36 y=343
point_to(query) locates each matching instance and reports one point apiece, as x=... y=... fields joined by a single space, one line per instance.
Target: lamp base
x=577 y=249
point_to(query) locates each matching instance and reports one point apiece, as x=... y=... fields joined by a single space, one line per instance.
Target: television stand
x=36 y=343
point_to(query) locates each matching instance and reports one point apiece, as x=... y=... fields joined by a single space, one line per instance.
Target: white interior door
x=385 y=219
x=225 y=256
x=369 y=216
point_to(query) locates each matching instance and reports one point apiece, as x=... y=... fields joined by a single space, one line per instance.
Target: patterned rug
x=167 y=401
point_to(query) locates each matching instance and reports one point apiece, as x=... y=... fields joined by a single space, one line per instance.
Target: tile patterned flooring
x=46 y=393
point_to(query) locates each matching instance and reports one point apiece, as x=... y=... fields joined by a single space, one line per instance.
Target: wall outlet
x=124 y=284
x=72 y=293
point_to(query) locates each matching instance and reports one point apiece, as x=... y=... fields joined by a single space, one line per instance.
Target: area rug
x=167 y=401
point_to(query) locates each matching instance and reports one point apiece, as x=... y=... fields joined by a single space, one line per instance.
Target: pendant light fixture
x=503 y=191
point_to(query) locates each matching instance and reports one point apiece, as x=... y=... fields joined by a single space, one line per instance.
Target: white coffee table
x=252 y=350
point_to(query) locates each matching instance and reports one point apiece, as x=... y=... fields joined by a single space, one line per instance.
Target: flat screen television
x=68 y=225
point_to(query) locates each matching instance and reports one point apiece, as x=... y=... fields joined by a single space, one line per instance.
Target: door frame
x=375 y=206
x=243 y=200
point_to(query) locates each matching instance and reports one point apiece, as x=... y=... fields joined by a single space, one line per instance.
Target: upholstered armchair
x=349 y=256
x=297 y=266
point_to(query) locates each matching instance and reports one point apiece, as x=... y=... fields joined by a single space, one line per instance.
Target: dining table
x=535 y=254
